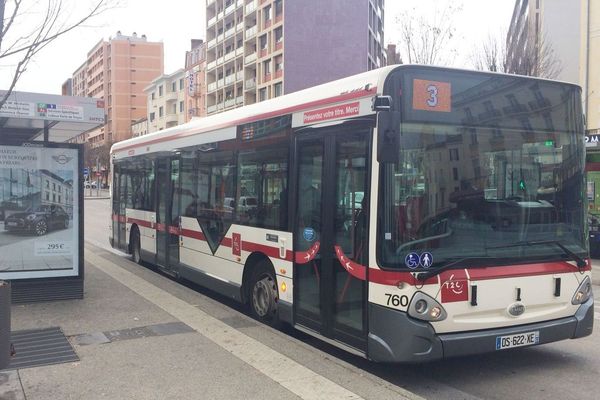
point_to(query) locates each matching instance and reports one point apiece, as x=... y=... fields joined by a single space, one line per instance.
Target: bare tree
x=490 y=55
x=47 y=25
x=425 y=38
x=537 y=58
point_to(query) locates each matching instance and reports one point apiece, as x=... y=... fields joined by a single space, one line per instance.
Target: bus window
x=215 y=182
x=262 y=182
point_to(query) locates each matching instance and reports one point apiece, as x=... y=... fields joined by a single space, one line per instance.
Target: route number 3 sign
x=431 y=95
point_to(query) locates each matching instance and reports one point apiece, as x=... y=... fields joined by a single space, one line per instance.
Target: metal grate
x=40 y=347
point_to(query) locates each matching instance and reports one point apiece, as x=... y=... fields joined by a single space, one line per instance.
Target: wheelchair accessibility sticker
x=415 y=260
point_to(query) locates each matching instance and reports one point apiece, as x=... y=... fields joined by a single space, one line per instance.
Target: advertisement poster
x=39 y=212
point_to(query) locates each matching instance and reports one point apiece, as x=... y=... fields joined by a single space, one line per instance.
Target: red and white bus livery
x=406 y=214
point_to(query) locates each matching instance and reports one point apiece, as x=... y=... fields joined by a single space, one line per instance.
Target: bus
x=405 y=214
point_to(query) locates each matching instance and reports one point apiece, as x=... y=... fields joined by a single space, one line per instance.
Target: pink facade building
x=116 y=72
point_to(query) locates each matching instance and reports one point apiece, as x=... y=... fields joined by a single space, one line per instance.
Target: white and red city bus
x=407 y=214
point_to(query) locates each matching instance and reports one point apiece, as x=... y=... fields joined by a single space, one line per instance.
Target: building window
x=53 y=198
x=262 y=94
x=278 y=89
x=153 y=95
x=181 y=106
x=160 y=91
x=47 y=184
x=181 y=84
x=174 y=108
x=278 y=34
x=53 y=186
x=152 y=116
x=173 y=86
x=453 y=154
x=267 y=68
x=59 y=198
x=160 y=111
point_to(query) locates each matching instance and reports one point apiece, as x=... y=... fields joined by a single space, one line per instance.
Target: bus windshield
x=495 y=170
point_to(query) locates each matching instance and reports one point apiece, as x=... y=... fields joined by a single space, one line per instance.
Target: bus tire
x=135 y=248
x=263 y=294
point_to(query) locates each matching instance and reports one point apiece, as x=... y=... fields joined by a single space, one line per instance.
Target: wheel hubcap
x=40 y=228
x=263 y=296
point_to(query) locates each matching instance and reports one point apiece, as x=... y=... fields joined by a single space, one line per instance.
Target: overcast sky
x=177 y=21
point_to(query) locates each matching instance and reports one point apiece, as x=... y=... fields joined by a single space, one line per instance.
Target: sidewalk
x=139 y=335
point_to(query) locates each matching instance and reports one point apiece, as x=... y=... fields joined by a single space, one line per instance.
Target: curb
x=97 y=198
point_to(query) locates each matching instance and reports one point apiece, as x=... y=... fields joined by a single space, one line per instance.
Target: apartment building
x=117 y=70
x=166 y=101
x=572 y=29
x=195 y=80
x=139 y=127
x=249 y=41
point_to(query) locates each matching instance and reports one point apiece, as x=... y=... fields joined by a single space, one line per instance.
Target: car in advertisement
x=38 y=221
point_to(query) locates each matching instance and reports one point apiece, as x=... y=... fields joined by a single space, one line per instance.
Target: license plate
x=12 y=224
x=517 y=340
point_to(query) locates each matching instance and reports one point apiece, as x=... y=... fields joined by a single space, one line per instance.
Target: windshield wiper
x=423 y=276
x=578 y=260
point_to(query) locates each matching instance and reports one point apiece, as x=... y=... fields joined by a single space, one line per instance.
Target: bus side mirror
x=388 y=137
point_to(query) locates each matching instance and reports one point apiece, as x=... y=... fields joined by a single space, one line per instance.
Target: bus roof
x=350 y=89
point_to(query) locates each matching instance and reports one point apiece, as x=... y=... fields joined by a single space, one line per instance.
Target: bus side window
x=262 y=188
x=215 y=184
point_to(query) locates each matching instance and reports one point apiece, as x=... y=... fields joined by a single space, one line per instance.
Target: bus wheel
x=264 y=295
x=136 y=255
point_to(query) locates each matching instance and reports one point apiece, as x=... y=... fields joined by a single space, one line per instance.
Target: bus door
x=167 y=213
x=119 y=199
x=330 y=233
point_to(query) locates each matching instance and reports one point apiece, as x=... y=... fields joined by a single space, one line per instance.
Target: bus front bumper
x=395 y=337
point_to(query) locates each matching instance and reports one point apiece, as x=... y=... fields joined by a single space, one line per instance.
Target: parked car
x=594 y=234
x=38 y=221
x=90 y=185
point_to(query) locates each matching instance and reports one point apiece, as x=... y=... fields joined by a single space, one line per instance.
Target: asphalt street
x=563 y=370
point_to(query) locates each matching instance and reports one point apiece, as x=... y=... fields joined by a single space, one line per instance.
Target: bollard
x=5 y=303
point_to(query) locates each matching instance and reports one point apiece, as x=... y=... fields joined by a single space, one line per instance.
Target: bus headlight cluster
x=583 y=293
x=426 y=308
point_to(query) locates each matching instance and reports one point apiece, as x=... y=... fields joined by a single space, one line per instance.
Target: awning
x=36 y=116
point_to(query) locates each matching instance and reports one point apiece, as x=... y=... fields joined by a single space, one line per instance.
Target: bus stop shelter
x=41 y=194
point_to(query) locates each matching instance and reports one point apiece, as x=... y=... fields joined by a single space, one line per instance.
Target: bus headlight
x=583 y=292
x=426 y=308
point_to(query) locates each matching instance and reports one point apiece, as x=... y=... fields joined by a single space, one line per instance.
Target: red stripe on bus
x=267 y=250
x=139 y=222
x=161 y=227
x=292 y=109
x=193 y=234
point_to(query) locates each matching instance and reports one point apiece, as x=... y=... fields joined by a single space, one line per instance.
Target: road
x=563 y=370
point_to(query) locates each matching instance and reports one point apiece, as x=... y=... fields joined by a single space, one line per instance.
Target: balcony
x=267 y=23
x=211 y=43
x=251 y=32
x=250 y=7
x=230 y=9
x=229 y=103
x=171 y=118
x=211 y=65
x=212 y=87
x=239 y=75
x=279 y=45
x=239 y=100
x=171 y=96
x=220 y=37
x=239 y=51
x=229 y=79
x=266 y=78
x=211 y=109
x=220 y=83
x=212 y=21
x=263 y=53
x=229 y=56
x=250 y=58
x=240 y=27
x=230 y=32
x=278 y=74
x=220 y=61
x=250 y=83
